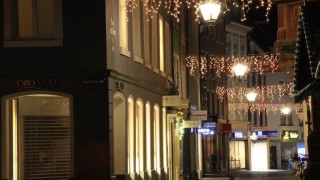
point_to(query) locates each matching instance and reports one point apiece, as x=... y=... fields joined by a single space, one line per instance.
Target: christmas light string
x=237 y=94
x=221 y=65
x=174 y=7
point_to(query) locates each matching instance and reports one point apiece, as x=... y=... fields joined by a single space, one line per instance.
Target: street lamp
x=251 y=96
x=239 y=69
x=210 y=10
x=286 y=110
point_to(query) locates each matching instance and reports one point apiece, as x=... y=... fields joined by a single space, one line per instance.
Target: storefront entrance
x=237 y=154
x=37 y=137
x=209 y=153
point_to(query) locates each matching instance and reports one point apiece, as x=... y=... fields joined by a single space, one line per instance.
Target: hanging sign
x=226 y=128
x=199 y=115
x=171 y=100
x=191 y=124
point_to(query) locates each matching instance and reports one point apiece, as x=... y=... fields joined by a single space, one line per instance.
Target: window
x=155 y=41
x=164 y=136
x=167 y=41
x=37 y=138
x=146 y=37
x=130 y=135
x=156 y=136
x=139 y=137
x=161 y=44
x=32 y=23
x=148 y=135
x=123 y=28
x=136 y=33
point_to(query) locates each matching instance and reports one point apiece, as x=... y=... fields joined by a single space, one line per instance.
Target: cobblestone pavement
x=252 y=175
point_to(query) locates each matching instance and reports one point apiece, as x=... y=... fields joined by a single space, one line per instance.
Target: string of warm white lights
x=174 y=7
x=270 y=91
x=268 y=107
x=222 y=65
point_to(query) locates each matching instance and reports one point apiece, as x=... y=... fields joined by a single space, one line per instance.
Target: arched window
x=139 y=136
x=164 y=136
x=119 y=138
x=148 y=135
x=156 y=136
x=130 y=135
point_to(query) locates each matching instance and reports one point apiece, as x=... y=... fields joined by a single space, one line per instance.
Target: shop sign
x=36 y=83
x=191 y=124
x=204 y=131
x=199 y=115
x=171 y=100
x=239 y=135
x=226 y=128
x=272 y=133
x=208 y=124
x=290 y=135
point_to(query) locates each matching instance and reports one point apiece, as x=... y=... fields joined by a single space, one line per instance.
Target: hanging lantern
x=286 y=110
x=210 y=10
x=251 y=96
x=239 y=69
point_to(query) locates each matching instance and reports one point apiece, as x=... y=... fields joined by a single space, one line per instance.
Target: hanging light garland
x=174 y=7
x=268 y=107
x=222 y=65
x=270 y=91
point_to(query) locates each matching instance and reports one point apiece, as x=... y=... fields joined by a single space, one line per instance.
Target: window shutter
x=47 y=145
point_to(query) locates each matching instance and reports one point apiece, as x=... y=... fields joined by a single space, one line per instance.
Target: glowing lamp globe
x=239 y=69
x=286 y=110
x=251 y=96
x=210 y=10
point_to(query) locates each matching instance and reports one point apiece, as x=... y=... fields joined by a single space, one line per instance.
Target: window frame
x=11 y=37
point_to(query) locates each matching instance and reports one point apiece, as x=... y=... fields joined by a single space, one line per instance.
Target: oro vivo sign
x=36 y=83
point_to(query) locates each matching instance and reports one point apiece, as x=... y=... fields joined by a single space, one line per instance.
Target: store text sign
x=36 y=83
x=290 y=135
x=199 y=115
x=191 y=124
x=171 y=100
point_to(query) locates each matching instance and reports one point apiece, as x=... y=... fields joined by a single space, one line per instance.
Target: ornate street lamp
x=210 y=10
x=239 y=69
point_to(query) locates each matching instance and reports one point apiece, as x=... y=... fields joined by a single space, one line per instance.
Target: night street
x=257 y=175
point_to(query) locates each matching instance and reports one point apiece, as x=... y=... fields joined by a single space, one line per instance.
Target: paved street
x=256 y=175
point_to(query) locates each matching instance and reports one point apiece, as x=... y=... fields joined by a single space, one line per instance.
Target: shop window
x=37 y=138
x=32 y=23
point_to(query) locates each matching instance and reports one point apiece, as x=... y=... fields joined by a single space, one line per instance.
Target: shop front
x=238 y=149
x=259 y=151
x=292 y=146
x=51 y=128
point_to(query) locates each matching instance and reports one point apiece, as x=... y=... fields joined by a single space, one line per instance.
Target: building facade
x=83 y=87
